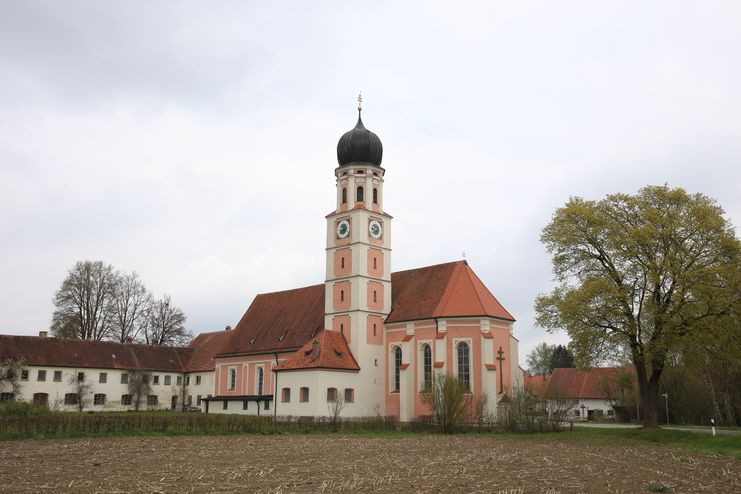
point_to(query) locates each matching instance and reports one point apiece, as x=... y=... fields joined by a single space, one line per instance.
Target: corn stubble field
x=340 y=463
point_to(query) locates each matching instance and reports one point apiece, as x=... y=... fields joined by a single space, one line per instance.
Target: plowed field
x=337 y=463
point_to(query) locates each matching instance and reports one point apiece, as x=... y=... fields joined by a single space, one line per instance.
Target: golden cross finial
x=360 y=101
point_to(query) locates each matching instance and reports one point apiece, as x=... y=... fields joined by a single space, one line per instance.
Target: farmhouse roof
x=327 y=350
x=537 y=385
x=67 y=352
x=63 y=352
x=599 y=383
x=285 y=321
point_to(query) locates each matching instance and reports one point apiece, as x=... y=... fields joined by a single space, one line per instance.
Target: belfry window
x=426 y=367
x=464 y=369
x=359 y=196
x=344 y=195
x=397 y=368
x=342 y=262
x=375 y=195
x=375 y=296
x=342 y=295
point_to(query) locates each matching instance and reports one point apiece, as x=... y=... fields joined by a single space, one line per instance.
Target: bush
x=22 y=408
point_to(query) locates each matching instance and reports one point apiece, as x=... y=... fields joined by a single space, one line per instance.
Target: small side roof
x=205 y=346
x=327 y=350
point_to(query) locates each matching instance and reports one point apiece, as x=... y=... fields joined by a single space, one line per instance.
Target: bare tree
x=10 y=376
x=130 y=308
x=166 y=325
x=82 y=303
x=335 y=408
x=138 y=386
x=449 y=402
x=81 y=388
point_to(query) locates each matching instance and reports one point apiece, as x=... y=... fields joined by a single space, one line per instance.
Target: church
x=368 y=336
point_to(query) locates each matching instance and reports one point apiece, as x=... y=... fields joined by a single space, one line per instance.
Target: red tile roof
x=600 y=383
x=327 y=350
x=205 y=346
x=35 y=350
x=537 y=384
x=278 y=322
x=285 y=321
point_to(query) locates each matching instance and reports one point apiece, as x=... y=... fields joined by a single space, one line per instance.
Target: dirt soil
x=336 y=463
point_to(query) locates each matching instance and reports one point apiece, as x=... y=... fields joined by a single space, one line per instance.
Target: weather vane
x=463 y=254
x=360 y=101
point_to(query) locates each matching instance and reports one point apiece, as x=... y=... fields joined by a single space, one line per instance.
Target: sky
x=195 y=142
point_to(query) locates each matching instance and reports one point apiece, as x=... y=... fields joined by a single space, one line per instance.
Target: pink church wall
x=375 y=296
x=246 y=375
x=375 y=258
x=377 y=338
x=341 y=295
x=339 y=256
x=341 y=324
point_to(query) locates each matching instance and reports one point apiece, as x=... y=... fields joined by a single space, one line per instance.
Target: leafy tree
x=10 y=376
x=561 y=358
x=82 y=303
x=539 y=360
x=638 y=276
x=166 y=325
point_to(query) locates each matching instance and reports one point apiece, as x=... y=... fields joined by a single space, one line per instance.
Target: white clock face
x=375 y=229
x=343 y=229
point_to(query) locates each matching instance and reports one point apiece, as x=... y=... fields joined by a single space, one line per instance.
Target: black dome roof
x=359 y=145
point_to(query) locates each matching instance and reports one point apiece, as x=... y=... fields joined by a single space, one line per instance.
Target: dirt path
x=283 y=464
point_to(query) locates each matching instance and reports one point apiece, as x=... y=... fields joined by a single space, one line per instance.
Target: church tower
x=358 y=277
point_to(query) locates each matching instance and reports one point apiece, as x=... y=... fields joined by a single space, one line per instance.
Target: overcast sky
x=195 y=142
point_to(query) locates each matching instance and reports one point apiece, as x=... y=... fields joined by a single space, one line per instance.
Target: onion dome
x=359 y=145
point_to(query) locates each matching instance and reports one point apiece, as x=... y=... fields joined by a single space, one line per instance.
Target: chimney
x=43 y=334
x=129 y=339
x=228 y=328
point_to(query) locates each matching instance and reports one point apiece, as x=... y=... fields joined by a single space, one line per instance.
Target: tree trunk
x=649 y=395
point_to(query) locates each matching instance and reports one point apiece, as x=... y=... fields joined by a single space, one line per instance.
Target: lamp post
x=666 y=397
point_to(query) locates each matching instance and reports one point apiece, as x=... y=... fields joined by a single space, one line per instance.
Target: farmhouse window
x=70 y=399
x=41 y=375
x=304 y=395
x=124 y=378
x=24 y=374
x=126 y=399
x=285 y=396
x=331 y=394
x=179 y=381
x=6 y=397
x=57 y=376
x=152 y=400
x=99 y=399
x=80 y=376
x=103 y=378
x=168 y=380
x=155 y=379
x=349 y=395
x=198 y=380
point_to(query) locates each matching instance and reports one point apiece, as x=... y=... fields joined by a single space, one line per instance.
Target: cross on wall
x=501 y=359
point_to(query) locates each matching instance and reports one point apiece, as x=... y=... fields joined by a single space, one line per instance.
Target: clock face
x=375 y=229
x=343 y=229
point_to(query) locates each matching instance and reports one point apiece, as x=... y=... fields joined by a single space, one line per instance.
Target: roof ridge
x=430 y=266
x=445 y=298
x=476 y=277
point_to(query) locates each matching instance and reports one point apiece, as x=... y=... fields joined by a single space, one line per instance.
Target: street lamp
x=666 y=397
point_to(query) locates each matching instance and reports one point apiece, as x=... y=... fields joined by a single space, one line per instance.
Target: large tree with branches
x=639 y=276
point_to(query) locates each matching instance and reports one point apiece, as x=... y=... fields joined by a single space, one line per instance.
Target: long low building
x=51 y=369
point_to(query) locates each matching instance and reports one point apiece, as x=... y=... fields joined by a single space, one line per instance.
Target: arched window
x=331 y=394
x=304 y=395
x=260 y=380
x=375 y=195
x=344 y=195
x=41 y=399
x=359 y=196
x=464 y=368
x=426 y=367
x=232 y=378
x=397 y=368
